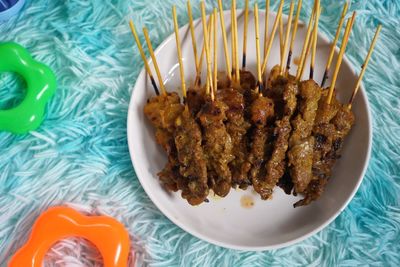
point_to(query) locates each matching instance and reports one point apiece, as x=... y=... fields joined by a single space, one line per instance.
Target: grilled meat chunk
x=191 y=158
x=301 y=142
x=335 y=132
x=261 y=111
x=275 y=166
x=217 y=144
x=162 y=111
x=237 y=127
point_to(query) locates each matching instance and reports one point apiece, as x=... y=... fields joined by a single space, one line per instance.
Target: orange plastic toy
x=107 y=234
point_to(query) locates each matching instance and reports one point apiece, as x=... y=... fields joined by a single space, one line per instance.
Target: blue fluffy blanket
x=79 y=156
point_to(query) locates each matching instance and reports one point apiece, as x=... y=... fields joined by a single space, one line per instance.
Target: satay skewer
x=346 y=36
x=178 y=48
x=235 y=31
x=332 y=52
x=226 y=51
x=304 y=50
x=258 y=49
x=281 y=39
x=246 y=21
x=302 y=66
x=215 y=53
x=194 y=45
x=233 y=54
x=364 y=65
x=285 y=44
x=271 y=37
x=266 y=26
x=206 y=41
x=198 y=74
x=142 y=54
x=154 y=60
x=314 y=40
x=296 y=22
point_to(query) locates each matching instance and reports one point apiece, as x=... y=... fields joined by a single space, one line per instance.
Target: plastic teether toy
x=107 y=234
x=9 y=8
x=41 y=85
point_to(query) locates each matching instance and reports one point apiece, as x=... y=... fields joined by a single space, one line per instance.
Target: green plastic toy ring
x=41 y=85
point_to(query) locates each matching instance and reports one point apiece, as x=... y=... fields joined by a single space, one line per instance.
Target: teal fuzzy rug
x=79 y=156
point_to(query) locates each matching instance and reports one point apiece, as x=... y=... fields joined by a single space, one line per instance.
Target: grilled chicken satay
x=340 y=127
x=217 y=145
x=162 y=110
x=193 y=169
x=247 y=80
x=275 y=166
x=260 y=113
x=323 y=132
x=237 y=127
x=195 y=99
x=301 y=142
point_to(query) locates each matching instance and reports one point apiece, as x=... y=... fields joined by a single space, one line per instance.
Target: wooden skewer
x=258 y=49
x=296 y=22
x=340 y=57
x=154 y=59
x=271 y=37
x=198 y=74
x=222 y=20
x=146 y=64
x=266 y=23
x=233 y=45
x=332 y=52
x=289 y=24
x=281 y=40
x=302 y=66
x=304 y=50
x=364 y=65
x=246 y=21
x=236 y=42
x=206 y=41
x=215 y=54
x=314 y=41
x=209 y=79
x=196 y=59
x=178 y=48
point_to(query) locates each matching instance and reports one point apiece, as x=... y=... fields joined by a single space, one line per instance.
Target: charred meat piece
x=237 y=127
x=162 y=111
x=217 y=144
x=323 y=132
x=301 y=142
x=339 y=128
x=193 y=169
x=195 y=99
x=261 y=112
x=247 y=80
x=275 y=166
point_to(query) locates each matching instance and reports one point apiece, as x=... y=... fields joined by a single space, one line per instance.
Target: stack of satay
x=239 y=130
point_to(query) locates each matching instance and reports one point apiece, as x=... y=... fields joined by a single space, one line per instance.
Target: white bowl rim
x=154 y=199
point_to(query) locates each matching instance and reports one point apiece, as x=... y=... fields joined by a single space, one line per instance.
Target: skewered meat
x=247 y=80
x=195 y=99
x=217 y=144
x=301 y=142
x=162 y=111
x=193 y=169
x=276 y=165
x=237 y=127
x=261 y=111
x=339 y=128
x=323 y=132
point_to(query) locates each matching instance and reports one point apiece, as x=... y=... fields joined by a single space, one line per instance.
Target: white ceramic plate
x=225 y=222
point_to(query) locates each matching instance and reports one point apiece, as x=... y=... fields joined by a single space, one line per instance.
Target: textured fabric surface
x=79 y=156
